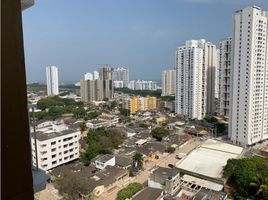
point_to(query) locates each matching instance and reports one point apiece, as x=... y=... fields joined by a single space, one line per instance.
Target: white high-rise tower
x=52 y=80
x=248 y=115
x=195 y=81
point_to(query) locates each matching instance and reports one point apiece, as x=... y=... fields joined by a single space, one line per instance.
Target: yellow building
x=138 y=103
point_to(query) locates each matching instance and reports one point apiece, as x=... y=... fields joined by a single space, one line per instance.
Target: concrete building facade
x=52 y=80
x=225 y=56
x=97 y=86
x=142 y=85
x=121 y=74
x=138 y=103
x=248 y=114
x=55 y=145
x=168 y=82
x=195 y=79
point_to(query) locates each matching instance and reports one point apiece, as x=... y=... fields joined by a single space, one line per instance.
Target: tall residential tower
x=121 y=74
x=248 y=121
x=225 y=57
x=52 y=80
x=195 y=81
x=168 y=82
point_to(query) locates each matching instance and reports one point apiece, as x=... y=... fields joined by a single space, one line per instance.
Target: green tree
x=93 y=115
x=242 y=172
x=124 y=111
x=220 y=127
x=105 y=99
x=55 y=112
x=80 y=112
x=71 y=186
x=137 y=161
x=210 y=119
x=129 y=191
x=260 y=183
x=143 y=125
x=171 y=149
x=91 y=152
x=159 y=132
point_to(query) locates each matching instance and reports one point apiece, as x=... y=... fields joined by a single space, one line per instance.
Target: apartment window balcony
x=43 y=152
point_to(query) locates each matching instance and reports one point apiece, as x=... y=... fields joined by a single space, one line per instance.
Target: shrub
x=129 y=191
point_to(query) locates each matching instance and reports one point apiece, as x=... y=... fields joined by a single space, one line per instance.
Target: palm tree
x=137 y=160
x=261 y=184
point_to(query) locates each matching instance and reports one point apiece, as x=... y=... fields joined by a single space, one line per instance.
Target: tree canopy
x=101 y=141
x=129 y=191
x=243 y=175
x=71 y=186
x=159 y=132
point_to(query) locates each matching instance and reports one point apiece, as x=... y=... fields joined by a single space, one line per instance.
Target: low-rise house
x=98 y=181
x=167 y=179
x=149 y=193
x=104 y=120
x=141 y=142
x=123 y=161
x=152 y=150
x=96 y=123
x=101 y=161
x=206 y=194
x=112 y=120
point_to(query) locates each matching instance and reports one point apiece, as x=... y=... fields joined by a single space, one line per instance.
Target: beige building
x=168 y=82
x=99 y=87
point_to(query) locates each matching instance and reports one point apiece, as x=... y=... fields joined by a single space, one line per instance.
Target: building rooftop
x=123 y=161
x=201 y=182
x=210 y=158
x=148 y=193
x=166 y=172
x=41 y=136
x=103 y=158
x=206 y=194
x=151 y=147
x=96 y=121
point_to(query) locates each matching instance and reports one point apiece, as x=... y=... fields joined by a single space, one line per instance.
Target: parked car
x=170 y=165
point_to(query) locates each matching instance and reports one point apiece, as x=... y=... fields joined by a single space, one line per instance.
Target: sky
x=79 y=35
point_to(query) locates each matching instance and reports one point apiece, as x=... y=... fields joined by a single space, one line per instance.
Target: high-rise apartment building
x=195 y=79
x=121 y=74
x=248 y=114
x=105 y=72
x=142 y=85
x=52 y=80
x=88 y=76
x=225 y=56
x=97 y=86
x=189 y=63
x=168 y=82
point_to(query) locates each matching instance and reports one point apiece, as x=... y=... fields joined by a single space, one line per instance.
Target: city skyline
x=146 y=42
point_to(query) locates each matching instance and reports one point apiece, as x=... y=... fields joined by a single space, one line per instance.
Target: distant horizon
x=76 y=36
x=73 y=81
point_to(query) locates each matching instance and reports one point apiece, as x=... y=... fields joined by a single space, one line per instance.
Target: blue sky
x=79 y=35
